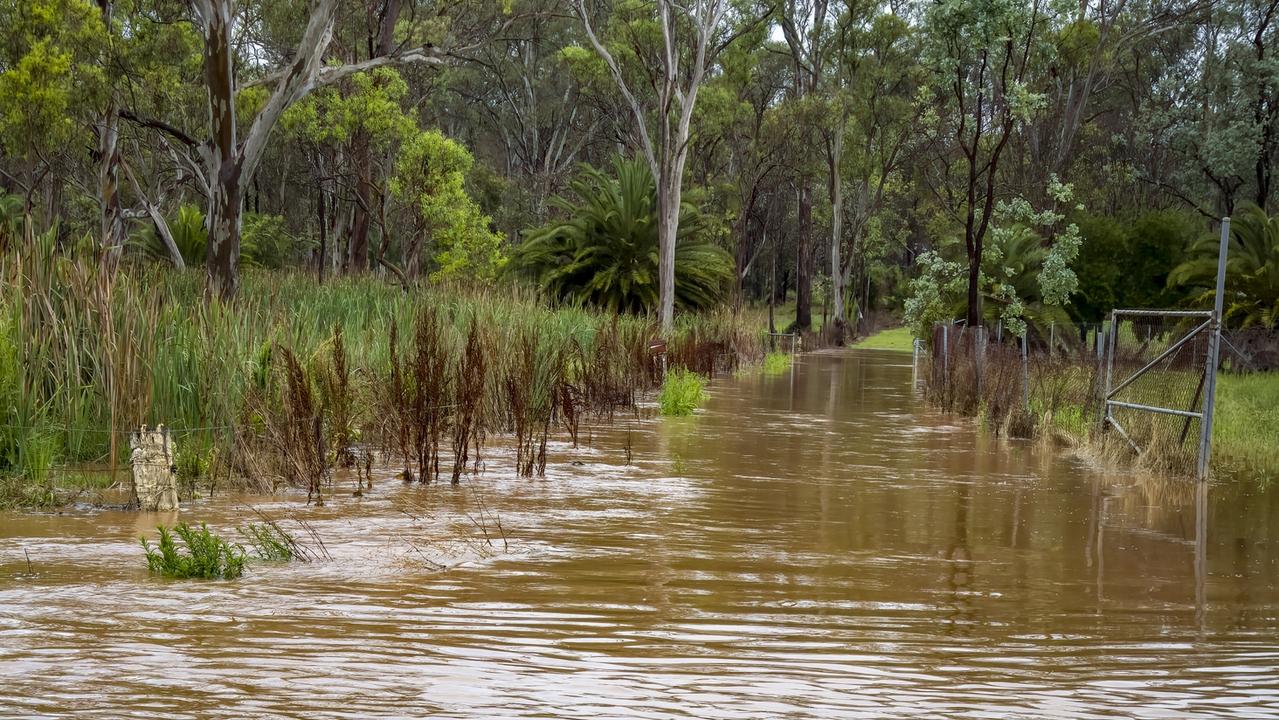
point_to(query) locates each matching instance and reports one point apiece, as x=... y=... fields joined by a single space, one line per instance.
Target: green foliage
x=264 y=240
x=430 y=176
x=202 y=555
x=682 y=392
x=369 y=103
x=189 y=235
x=777 y=363
x=605 y=252
x=45 y=73
x=1125 y=261
x=269 y=541
x=1025 y=275
x=1252 y=270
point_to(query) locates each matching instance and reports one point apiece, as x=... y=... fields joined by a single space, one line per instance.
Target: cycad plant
x=605 y=250
x=1252 y=270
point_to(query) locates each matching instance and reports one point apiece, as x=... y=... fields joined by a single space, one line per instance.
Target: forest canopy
x=979 y=159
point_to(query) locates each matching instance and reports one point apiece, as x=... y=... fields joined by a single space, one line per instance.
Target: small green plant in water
x=269 y=541
x=205 y=555
x=776 y=363
x=682 y=391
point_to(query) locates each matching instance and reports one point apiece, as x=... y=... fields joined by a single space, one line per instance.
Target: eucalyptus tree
x=669 y=47
x=289 y=68
x=516 y=100
x=812 y=30
x=881 y=127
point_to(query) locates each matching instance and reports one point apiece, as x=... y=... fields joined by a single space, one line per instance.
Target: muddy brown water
x=816 y=544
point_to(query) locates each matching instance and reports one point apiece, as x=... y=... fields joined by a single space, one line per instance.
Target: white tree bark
x=667 y=153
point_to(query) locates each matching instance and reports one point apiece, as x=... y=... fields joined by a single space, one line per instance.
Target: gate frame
x=1212 y=324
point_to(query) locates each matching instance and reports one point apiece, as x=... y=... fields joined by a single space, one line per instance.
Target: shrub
x=205 y=555
x=776 y=363
x=605 y=252
x=682 y=392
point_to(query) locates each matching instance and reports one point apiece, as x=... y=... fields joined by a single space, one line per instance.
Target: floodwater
x=817 y=544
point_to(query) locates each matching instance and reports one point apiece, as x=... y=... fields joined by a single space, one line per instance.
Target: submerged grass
x=682 y=392
x=203 y=554
x=777 y=363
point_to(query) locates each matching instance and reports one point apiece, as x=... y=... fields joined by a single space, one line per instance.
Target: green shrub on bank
x=776 y=363
x=682 y=392
x=203 y=554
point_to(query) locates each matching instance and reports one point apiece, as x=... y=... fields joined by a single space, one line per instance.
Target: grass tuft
x=777 y=363
x=682 y=392
x=203 y=554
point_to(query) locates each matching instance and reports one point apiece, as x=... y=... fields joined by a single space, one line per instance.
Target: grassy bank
x=1064 y=402
x=430 y=373
x=898 y=339
x=1246 y=426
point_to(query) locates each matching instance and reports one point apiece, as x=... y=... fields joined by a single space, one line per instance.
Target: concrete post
x=155 y=483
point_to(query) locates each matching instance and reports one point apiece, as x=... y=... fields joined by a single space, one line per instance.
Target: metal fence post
x=945 y=358
x=1025 y=373
x=979 y=360
x=1214 y=354
x=1052 y=337
x=1099 y=343
x=914 y=364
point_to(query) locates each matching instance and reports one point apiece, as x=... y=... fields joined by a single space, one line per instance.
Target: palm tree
x=605 y=251
x=1252 y=270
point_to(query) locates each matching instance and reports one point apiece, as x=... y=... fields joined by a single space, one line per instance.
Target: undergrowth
x=682 y=392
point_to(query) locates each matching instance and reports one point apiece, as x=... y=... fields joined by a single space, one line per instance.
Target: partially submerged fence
x=1146 y=376
x=1139 y=380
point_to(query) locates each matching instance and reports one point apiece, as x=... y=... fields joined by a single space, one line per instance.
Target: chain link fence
x=1137 y=382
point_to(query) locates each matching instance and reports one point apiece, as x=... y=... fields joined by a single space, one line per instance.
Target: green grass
x=203 y=554
x=1246 y=425
x=269 y=541
x=682 y=392
x=777 y=363
x=79 y=369
x=899 y=339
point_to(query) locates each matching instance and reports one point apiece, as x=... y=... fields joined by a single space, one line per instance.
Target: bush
x=776 y=363
x=682 y=392
x=206 y=555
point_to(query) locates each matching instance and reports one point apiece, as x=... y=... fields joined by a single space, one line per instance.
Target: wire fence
x=1140 y=378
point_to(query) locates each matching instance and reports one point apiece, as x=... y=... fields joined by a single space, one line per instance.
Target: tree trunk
x=836 y=234
x=223 y=248
x=974 y=297
x=668 y=200
x=222 y=251
x=112 y=231
x=112 y=234
x=362 y=156
x=804 y=264
x=359 y=245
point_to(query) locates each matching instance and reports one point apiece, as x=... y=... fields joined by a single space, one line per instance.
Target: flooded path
x=812 y=545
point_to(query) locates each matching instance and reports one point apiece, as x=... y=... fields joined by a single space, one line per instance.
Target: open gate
x=1161 y=376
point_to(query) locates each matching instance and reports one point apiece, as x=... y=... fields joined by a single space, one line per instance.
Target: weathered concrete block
x=155 y=482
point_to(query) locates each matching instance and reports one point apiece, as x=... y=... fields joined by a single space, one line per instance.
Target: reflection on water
x=817 y=544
